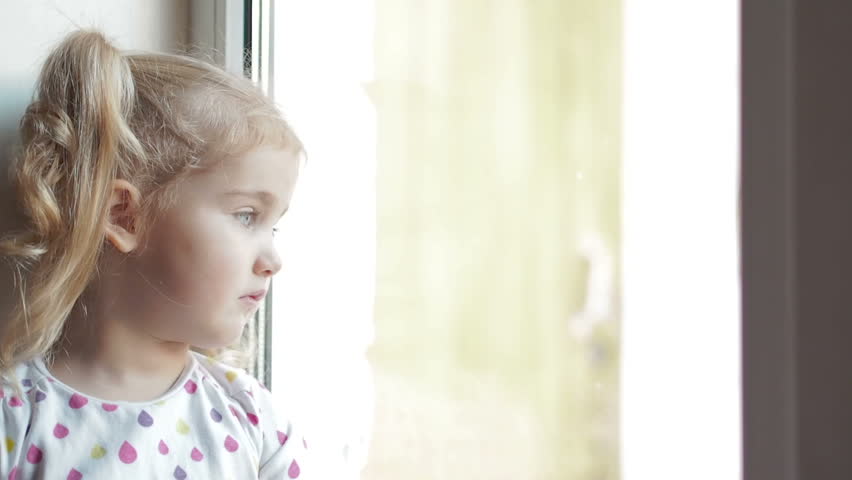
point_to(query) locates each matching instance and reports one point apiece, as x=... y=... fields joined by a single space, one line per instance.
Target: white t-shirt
x=217 y=422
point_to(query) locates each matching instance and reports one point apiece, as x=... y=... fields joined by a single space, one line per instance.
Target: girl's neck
x=107 y=359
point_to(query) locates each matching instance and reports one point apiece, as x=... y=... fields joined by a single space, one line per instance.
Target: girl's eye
x=246 y=218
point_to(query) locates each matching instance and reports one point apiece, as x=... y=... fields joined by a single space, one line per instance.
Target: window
x=463 y=240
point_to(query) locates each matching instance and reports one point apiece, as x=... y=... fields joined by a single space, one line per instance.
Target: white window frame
x=680 y=398
x=219 y=24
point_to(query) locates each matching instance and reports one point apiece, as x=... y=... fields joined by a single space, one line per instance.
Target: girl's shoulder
x=237 y=387
x=22 y=385
x=282 y=444
x=20 y=391
x=233 y=381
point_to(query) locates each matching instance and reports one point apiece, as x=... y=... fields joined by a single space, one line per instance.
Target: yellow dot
x=10 y=444
x=98 y=452
x=231 y=375
x=182 y=427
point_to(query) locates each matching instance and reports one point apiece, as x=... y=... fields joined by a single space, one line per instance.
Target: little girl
x=151 y=184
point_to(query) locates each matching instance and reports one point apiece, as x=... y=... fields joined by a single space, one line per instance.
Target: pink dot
x=293 y=471
x=282 y=437
x=77 y=401
x=231 y=445
x=74 y=475
x=163 y=448
x=127 y=453
x=304 y=443
x=13 y=475
x=190 y=386
x=252 y=418
x=196 y=455
x=60 y=431
x=109 y=407
x=2 y=393
x=235 y=412
x=33 y=454
x=15 y=402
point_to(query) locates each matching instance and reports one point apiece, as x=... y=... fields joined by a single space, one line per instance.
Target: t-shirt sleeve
x=284 y=449
x=14 y=419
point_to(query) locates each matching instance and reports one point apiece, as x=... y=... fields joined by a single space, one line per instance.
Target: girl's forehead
x=264 y=164
x=272 y=170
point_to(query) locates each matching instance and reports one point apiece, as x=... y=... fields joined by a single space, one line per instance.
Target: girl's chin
x=227 y=337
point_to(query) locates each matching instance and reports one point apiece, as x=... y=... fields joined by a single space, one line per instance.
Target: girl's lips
x=256 y=296
x=253 y=299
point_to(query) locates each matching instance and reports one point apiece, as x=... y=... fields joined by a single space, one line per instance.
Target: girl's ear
x=121 y=221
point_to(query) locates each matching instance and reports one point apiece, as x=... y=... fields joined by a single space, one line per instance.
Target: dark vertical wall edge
x=823 y=222
x=768 y=241
x=797 y=232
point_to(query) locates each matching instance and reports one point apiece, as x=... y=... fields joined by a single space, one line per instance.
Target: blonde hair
x=100 y=114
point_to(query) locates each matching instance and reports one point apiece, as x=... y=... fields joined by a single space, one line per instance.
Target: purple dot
x=40 y=396
x=27 y=382
x=215 y=415
x=179 y=473
x=144 y=419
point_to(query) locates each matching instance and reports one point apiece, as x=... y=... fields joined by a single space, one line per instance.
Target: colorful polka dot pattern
x=183 y=435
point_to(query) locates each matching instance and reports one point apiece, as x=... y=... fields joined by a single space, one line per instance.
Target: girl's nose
x=268 y=263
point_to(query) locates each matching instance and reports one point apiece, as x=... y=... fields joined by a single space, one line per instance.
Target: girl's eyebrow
x=268 y=198
x=263 y=195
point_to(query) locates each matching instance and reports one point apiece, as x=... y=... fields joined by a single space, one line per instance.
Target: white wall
x=29 y=29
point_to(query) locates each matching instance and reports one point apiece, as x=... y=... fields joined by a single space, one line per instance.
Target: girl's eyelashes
x=247 y=219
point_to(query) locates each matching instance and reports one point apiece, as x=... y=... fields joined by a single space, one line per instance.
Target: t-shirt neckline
x=187 y=372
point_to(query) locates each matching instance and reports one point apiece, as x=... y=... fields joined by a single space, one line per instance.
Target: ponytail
x=74 y=134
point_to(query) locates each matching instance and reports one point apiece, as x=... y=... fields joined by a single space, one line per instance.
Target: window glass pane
x=496 y=322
